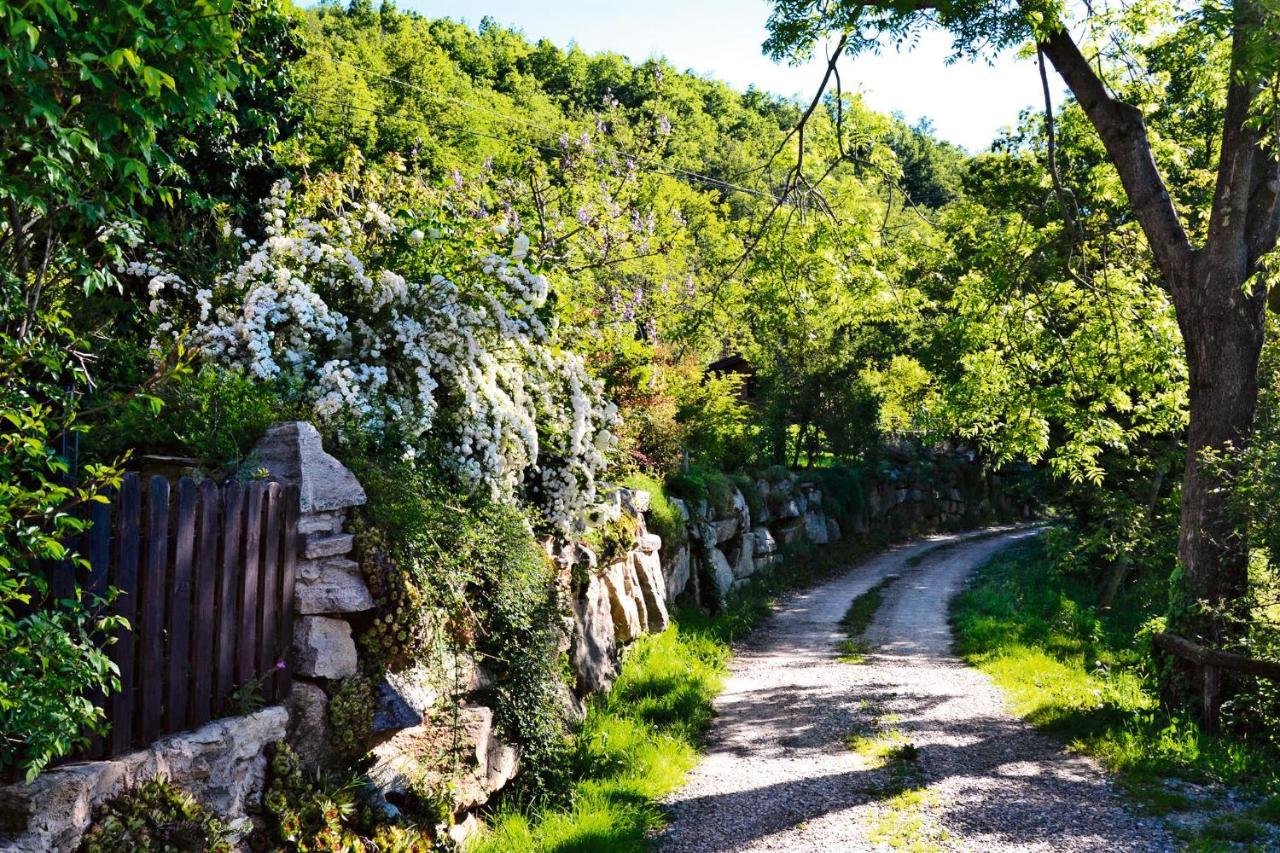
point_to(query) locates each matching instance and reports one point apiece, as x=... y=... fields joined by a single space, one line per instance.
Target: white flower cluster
x=471 y=366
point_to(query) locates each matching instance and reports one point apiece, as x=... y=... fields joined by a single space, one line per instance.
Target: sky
x=968 y=102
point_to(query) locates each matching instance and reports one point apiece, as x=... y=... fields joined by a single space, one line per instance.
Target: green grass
x=858 y=618
x=640 y=740
x=1083 y=677
x=636 y=745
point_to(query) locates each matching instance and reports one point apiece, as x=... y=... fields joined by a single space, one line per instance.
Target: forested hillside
x=505 y=278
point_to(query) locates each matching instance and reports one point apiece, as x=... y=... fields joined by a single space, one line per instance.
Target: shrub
x=156 y=816
x=747 y=486
x=842 y=494
x=212 y=414
x=700 y=484
x=663 y=517
x=50 y=657
x=327 y=812
x=427 y=341
x=476 y=563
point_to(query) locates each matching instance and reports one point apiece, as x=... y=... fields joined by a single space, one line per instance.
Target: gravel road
x=778 y=773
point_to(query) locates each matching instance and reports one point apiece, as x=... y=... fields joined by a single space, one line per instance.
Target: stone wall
x=222 y=764
x=608 y=604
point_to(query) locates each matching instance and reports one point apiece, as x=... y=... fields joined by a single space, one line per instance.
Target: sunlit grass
x=1082 y=677
x=640 y=741
x=636 y=746
x=903 y=823
x=856 y=620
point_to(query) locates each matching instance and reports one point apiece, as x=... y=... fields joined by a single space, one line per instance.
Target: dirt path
x=779 y=773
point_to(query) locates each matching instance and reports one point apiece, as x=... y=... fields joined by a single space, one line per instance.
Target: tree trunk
x=1222 y=329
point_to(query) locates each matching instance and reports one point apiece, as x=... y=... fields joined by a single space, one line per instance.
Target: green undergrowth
x=1085 y=677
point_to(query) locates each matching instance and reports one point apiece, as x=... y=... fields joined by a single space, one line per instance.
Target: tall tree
x=1212 y=278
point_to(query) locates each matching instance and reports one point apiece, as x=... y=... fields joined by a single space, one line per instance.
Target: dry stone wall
x=717 y=552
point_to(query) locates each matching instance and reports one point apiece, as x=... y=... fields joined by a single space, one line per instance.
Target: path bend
x=778 y=775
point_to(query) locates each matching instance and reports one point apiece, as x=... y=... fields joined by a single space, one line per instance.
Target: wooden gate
x=205 y=577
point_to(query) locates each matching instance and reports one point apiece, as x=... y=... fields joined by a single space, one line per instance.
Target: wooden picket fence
x=205 y=577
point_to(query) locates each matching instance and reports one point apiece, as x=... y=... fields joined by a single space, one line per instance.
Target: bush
x=747 y=486
x=156 y=816
x=374 y=296
x=842 y=492
x=477 y=564
x=50 y=655
x=213 y=414
x=663 y=517
x=701 y=484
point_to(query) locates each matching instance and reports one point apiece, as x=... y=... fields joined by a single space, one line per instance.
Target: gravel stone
x=777 y=774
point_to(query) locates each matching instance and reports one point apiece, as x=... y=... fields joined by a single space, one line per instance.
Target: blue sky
x=967 y=102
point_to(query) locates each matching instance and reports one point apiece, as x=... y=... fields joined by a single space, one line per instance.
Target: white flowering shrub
x=393 y=317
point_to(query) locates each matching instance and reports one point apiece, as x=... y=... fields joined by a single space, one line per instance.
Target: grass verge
x=1084 y=678
x=640 y=740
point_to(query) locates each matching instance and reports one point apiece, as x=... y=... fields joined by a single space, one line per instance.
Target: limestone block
x=221 y=764
x=789 y=508
x=594 y=648
x=764 y=542
x=636 y=501
x=765 y=561
x=420 y=756
x=681 y=507
x=293 y=454
x=323 y=648
x=802 y=502
x=725 y=529
x=399 y=702
x=790 y=532
x=647 y=568
x=650 y=543
x=720 y=574
x=745 y=566
x=331 y=585
x=625 y=601
x=742 y=510
x=833 y=530
x=319 y=545
x=678 y=573
x=309 y=730
x=321 y=522
x=815 y=527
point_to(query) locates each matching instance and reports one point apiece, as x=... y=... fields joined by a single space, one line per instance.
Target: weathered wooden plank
x=205 y=605
x=151 y=668
x=97 y=550
x=228 y=606
x=250 y=557
x=125 y=580
x=1196 y=653
x=288 y=576
x=178 y=677
x=269 y=595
